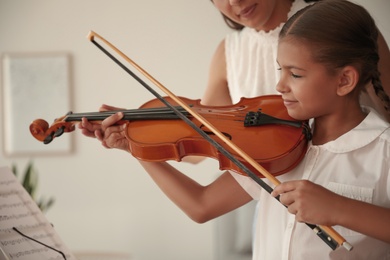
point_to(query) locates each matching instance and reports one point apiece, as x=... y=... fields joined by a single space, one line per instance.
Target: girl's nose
x=281 y=86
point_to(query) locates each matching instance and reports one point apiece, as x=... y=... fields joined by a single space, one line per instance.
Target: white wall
x=104 y=200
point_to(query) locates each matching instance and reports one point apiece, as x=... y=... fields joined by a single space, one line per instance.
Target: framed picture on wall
x=35 y=85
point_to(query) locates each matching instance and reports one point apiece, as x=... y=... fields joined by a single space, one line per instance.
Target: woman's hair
x=236 y=26
x=340 y=33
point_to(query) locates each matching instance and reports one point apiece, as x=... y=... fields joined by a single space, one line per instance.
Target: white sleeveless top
x=251 y=60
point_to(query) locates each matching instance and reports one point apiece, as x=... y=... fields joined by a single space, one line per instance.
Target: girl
x=345 y=172
x=323 y=72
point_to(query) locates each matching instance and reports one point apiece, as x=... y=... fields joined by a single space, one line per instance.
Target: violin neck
x=158 y=113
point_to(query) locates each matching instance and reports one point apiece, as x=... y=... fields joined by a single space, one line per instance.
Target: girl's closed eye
x=292 y=74
x=296 y=76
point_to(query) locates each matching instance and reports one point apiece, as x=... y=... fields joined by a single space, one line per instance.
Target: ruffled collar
x=295 y=7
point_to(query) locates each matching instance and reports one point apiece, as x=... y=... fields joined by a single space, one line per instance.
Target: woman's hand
x=110 y=132
x=311 y=203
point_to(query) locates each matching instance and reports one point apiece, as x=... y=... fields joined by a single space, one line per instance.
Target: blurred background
x=104 y=201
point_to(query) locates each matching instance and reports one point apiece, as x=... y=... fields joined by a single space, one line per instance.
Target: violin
x=261 y=126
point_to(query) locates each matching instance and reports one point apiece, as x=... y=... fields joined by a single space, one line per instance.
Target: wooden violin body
x=260 y=126
x=277 y=147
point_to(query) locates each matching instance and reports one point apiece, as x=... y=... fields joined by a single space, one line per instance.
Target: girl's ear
x=349 y=78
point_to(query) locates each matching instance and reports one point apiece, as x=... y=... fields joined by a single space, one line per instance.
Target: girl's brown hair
x=341 y=33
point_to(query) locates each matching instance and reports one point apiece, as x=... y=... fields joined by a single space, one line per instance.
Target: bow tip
x=90 y=35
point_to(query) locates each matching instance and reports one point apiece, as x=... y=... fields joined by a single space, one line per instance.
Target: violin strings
x=134 y=114
x=149 y=113
x=128 y=111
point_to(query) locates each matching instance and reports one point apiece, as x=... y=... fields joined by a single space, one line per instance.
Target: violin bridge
x=258 y=119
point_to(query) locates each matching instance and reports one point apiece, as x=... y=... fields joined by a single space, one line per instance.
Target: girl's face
x=258 y=14
x=308 y=89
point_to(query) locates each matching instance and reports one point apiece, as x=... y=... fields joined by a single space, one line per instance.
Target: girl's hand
x=87 y=128
x=109 y=132
x=311 y=203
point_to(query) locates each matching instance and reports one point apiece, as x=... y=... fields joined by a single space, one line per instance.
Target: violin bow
x=327 y=234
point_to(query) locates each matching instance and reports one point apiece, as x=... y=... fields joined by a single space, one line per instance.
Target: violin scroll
x=40 y=129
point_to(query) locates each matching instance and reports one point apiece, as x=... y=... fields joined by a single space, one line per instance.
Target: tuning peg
x=59 y=131
x=48 y=138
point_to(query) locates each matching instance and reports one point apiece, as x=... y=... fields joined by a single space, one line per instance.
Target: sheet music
x=17 y=209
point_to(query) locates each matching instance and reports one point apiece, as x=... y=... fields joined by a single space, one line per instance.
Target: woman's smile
x=247 y=12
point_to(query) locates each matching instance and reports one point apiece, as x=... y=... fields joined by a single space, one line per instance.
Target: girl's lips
x=288 y=103
x=247 y=11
